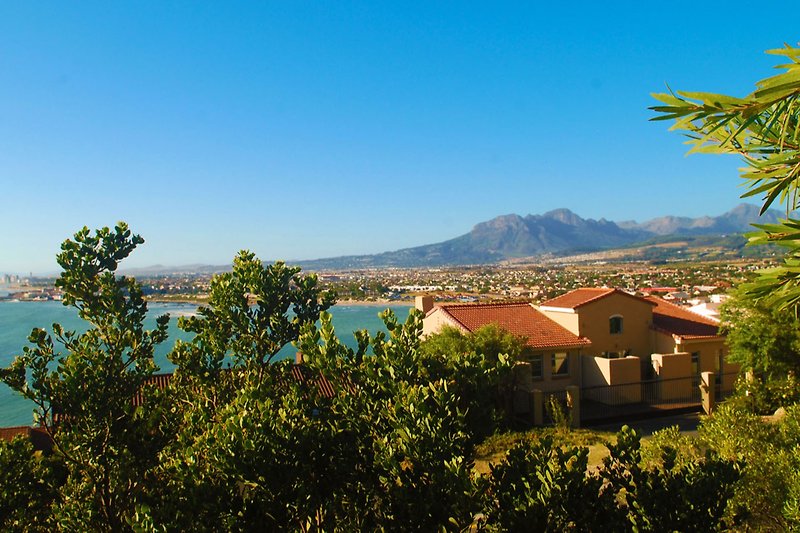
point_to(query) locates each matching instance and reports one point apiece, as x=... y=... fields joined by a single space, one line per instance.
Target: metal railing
x=648 y=398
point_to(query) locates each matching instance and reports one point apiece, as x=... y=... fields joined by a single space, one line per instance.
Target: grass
x=494 y=448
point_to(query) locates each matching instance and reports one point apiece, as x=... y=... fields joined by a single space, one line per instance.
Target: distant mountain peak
x=564 y=215
x=555 y=232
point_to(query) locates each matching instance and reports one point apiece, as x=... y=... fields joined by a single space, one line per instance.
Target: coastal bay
x=18 y=318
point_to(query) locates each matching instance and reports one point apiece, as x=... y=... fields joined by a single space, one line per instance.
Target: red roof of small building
x=520 y=319
x=579 y=297
x=298 y=372
x=681 y=322
x=37 y=435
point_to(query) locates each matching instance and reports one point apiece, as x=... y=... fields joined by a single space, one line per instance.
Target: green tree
x=477 y=366
x=761 y=338
x=247 y=445
x=763 y=128
x=764 y=499
x=84 y=395
x=540 y=487
x=252 y=313
x=408 y=428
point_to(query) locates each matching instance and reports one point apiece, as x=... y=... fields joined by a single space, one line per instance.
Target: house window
x=615 y=325
x=695 y=368
x=537 y=366
x=560 y=364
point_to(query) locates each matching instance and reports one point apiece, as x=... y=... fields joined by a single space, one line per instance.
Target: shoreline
x=370 y=303
x=188 y=301
x=354 y=303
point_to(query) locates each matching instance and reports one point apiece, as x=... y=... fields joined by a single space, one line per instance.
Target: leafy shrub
x=540 y=487
x=559 y=414
x=29 y=483
x=671 y=495
x=477 y=366
x=764 y=397
x=770 y=459
x=671 y=438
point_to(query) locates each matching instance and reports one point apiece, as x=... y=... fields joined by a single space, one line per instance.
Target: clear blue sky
x=312 y=129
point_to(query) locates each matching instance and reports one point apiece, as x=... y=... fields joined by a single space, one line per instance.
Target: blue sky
x=313 y=129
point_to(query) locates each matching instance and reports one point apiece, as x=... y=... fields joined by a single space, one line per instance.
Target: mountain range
x=556 y=232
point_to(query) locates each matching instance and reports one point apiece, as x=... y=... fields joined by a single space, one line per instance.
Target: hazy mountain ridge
x=555 y=232
x=512 y=236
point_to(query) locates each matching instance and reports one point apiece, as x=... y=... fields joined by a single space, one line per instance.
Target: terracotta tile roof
x=38 y=436
x=517 y=318
x=299 y=373
x=679 y=321
x=579 y=297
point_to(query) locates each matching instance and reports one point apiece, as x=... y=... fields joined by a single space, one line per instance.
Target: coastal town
x=681 y=282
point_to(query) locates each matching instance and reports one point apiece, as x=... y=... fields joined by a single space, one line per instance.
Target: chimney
x=424 y=303
x=298 y=358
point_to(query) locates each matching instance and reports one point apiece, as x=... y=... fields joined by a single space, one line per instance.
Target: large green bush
x=768 y=450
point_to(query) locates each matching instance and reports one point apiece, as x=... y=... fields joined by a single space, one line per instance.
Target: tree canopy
x=761 y=338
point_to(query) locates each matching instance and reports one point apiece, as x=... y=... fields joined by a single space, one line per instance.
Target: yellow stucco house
x=604 y=336
x=552 y=352
x=668 y=340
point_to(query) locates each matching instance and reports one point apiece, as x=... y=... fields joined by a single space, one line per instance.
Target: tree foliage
x=763 y=128
x=84 y=394
x=29 y=487
x=477 y=365
x=762 y=338
x=252 y=313
x=765 y=499
x=373 y=438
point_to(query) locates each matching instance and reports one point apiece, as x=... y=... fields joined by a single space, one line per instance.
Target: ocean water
x=18 y=318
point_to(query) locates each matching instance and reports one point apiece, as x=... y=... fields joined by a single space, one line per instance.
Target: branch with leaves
x=763 y=128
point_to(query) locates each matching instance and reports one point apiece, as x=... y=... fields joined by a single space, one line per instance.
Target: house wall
x=664 y=342
x=548 y=382
x=675 y=372
x=709 y=356
x=598 y=371
x=637 y=317
x=566 y=319
x=435 y=322
x=623 y=374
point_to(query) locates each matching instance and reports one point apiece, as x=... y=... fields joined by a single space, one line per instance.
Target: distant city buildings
x=8 y=279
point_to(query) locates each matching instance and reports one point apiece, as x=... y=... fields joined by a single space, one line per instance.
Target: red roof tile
x=580 y=297
x=298 y=373
x=520 y=319
x=37 y=435
x=677 y=320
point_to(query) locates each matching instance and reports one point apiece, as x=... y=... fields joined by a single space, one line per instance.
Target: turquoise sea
x=18 y=318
